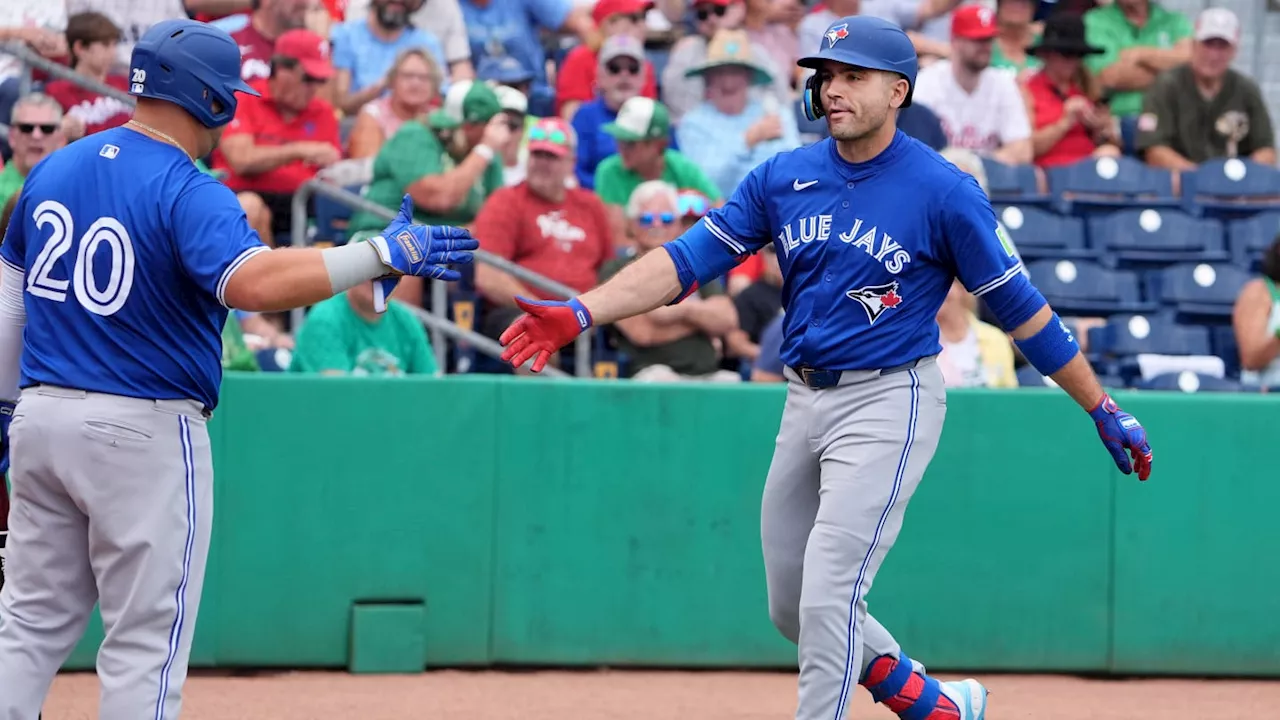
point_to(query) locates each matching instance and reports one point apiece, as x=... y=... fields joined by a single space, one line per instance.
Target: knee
x=785 y=614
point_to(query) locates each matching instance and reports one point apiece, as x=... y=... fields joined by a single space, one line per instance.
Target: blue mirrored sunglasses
x=692 y=206
x=656 y=219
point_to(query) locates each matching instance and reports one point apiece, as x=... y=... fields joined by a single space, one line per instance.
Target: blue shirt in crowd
x=368 y=57
x=594 y=144
x=717 y=142
x=510 y=27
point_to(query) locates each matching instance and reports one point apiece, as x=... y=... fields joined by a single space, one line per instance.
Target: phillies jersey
x=127 y=249
x=868 y=251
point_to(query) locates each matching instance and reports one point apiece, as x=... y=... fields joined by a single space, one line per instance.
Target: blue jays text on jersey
x=868 y=251
x=127 y=249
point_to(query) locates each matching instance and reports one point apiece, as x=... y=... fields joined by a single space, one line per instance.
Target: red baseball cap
x=974 y=22
x=309 y=49
x=552 y=135
x=605 y=8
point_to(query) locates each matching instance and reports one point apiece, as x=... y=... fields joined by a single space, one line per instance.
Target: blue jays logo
x=837 y=33
x=875 y=299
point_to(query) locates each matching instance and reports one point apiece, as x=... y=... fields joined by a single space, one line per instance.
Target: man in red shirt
x=257 y=40
x=576 y=78
x=543 y=225
x=279 y=141
x=91 y=40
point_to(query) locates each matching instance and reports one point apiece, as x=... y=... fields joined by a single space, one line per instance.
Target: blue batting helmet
x=866 y=42
x=192 y=64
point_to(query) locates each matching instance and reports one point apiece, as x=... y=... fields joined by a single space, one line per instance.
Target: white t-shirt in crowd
x=44 y=14
x=992 y=116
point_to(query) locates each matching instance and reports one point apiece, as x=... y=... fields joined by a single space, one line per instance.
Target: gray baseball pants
x=847 y=460
x=113 y=503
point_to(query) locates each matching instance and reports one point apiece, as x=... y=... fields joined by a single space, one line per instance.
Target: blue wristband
x=580 y=312
x=1051 y=348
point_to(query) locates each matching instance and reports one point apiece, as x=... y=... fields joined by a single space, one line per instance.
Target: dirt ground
x=628 y=695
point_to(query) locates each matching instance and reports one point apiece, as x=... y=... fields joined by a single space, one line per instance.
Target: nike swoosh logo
x=797 y=185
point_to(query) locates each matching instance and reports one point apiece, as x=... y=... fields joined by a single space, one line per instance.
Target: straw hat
x=731 y=48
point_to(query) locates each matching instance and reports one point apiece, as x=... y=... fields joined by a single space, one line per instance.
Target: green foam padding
x=388 y=638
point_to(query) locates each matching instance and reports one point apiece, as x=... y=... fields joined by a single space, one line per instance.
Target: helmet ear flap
x=811 y=98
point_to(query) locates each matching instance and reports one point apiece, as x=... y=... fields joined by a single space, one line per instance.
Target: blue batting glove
x=423 y=250
x=6 y=417
x=1122 y=434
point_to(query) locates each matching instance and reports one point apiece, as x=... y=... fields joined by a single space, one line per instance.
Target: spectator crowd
x=573 y=137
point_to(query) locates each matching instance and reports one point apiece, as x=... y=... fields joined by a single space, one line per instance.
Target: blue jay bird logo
x=837 y=33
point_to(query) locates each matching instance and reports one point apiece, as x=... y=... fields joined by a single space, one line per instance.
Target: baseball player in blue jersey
x=871 y=227
x=119 y=267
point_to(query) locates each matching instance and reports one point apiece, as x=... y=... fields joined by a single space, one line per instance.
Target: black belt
x=816 y=379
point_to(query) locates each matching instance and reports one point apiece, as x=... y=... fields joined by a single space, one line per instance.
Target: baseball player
x=119 y=267
x=870 y=227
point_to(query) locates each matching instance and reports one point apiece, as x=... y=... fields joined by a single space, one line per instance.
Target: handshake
x=421 y=250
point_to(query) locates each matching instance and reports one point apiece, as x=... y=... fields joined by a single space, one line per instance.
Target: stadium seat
x=1232 y=187
x=1081 y=287
x=1039 y=234
x=1201 y=289
x=1151 y=235
x=1109 y=183
x=1248 y=238
x=1223 y=340
x=1155 y=334
x=1013 y=183
x=1188 y=382
x=1029 y=377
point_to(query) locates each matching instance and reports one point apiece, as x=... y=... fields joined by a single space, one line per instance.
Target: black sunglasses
x=311 y=80
x=28 y=128
x=705 y=12
x=617 y=68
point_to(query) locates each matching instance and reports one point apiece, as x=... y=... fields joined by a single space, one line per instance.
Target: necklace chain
x=167 y=138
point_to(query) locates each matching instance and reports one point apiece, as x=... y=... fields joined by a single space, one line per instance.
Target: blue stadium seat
x=1188 y=382
x=332 y=217
x=1082 y=287
x=1223 y=339
x=1029 y=377
x=1232 y=187
x=1106 y=182
x=1128 y=335
x=1201 y=289
x=1039 y=234
x=1248 y=238
x=1013 y=183
x=1163 y=236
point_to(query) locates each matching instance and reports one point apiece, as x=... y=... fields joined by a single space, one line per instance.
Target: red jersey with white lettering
x=98 y=112
x=255 y=53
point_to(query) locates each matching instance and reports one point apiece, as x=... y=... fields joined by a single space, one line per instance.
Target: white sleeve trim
x=1008 y=275
x=724 y=237
x=13 y=319
x=240 y=260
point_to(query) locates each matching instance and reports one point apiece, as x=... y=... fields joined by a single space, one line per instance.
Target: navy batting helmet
x=194 y=65
x=863 y=41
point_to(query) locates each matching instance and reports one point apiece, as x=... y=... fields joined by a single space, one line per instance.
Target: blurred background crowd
x=1127 y=148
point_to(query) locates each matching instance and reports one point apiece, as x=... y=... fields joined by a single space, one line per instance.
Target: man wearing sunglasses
x=282 y=139
x=35 y=130
x=870 y=227
x=620 y=78
x=576 y=78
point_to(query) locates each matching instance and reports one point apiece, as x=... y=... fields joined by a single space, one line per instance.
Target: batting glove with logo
x=422 y=250
x=547 y=326
x=6 y=417
x=1121 y=432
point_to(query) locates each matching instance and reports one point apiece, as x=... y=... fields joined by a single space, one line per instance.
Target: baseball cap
x=621 y=46
x=1217 y=23
x=503 y=69
x=604 y=8
x=309 y=49
x=640 y=118
x=468 y=101
x=974 y=22
x=552 y=135
x=511 y=99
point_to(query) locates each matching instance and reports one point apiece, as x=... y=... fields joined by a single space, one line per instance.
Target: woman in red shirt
x=1063 y=99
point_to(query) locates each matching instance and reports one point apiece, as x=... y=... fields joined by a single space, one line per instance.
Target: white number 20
x=99 y=301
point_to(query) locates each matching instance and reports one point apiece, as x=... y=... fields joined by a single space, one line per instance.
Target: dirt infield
x=626 y=695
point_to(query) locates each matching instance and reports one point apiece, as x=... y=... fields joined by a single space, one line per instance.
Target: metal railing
x=439 y=289
x=32 y=59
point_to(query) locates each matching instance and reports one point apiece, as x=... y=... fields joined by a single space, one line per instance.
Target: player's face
x=973 y=55
x=34 y=132
x=858 y=100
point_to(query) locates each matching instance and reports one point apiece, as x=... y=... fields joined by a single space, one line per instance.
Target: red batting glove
x=547 y=326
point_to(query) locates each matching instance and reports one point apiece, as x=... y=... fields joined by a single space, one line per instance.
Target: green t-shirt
x=690 y=355
x=411 y=154
x=614 y=183
x=1002 y=61
x=235 y=354
x=1107 y=27
x=10 y=182
x=335 y=337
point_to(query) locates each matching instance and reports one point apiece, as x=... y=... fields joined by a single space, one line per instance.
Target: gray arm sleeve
x=13 y=318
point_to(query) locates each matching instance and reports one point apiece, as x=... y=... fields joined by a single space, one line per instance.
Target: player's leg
x=49 y=590
x=149 y=476
x=876 y=439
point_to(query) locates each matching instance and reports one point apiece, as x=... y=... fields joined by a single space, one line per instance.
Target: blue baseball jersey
x=127 y=248
x=868 y=251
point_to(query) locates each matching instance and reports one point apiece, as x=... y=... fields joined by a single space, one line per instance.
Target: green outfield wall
x=570 y=522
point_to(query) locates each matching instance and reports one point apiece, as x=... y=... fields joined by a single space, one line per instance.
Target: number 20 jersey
x=127 y=249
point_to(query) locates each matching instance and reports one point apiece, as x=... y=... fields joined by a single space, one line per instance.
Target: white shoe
x=970 y=696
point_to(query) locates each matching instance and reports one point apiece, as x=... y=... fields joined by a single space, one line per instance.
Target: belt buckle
x=805 y=372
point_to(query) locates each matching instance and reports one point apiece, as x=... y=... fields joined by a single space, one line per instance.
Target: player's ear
x=898 y=87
